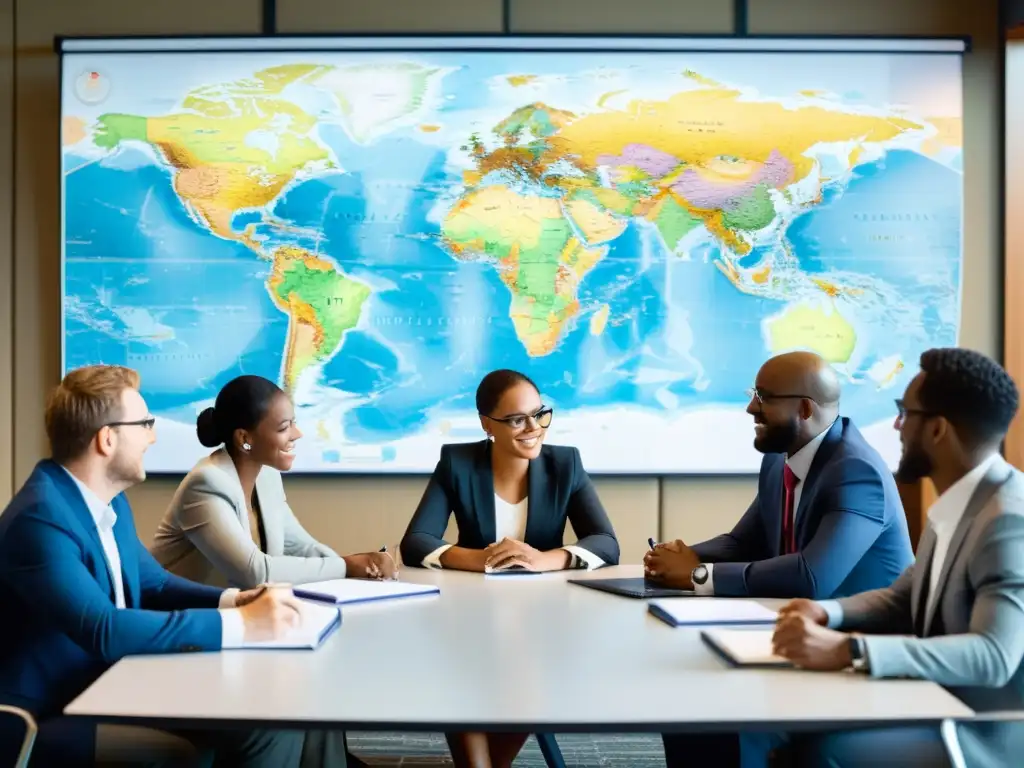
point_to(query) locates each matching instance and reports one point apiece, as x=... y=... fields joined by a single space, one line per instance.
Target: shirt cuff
x=592 y=560
x=433 y=560
x=708 y=587
x=232 y=628
x=227 y=598
x=834 y=611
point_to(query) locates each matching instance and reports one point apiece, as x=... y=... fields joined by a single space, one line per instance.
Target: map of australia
x=636 y=233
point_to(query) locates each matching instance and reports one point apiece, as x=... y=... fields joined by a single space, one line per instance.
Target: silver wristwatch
x=858 y=653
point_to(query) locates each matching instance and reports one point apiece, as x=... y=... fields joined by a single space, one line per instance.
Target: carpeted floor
x=428 y=750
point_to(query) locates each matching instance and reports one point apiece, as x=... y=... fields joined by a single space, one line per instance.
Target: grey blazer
x=204 y=535
x=971 y=639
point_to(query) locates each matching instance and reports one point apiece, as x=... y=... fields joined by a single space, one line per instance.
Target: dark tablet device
x=639 y=588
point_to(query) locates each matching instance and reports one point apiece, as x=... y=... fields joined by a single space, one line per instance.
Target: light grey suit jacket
x=204 y=535
x=970 y=638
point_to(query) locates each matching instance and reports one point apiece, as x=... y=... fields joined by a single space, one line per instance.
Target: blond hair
x=83 y=403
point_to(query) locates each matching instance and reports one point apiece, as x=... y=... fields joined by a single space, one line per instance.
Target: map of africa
x=637 y=232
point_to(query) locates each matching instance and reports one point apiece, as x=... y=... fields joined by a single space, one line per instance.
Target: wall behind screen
x=357 y=514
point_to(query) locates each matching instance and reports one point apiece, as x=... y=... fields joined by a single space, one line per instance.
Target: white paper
x=746 y=646
x=362 y=590
x=715 y=610
x=315 y=619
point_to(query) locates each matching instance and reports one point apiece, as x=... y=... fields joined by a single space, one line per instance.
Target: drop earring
x=246 y=447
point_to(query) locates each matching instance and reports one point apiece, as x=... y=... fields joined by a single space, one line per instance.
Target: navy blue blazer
x=61 y=626
x=851 y=531
x=463 y=483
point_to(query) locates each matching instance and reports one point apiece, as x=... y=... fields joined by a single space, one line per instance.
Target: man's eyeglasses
x=902 y=411
x=763 y=396
x=147 y=423
x=518 y=420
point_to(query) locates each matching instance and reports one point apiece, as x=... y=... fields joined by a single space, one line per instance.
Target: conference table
x=506 y=653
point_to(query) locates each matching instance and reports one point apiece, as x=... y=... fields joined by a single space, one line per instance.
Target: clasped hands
x=671 y=564
x=509 y=553
x=802 y=637
x=380 y=566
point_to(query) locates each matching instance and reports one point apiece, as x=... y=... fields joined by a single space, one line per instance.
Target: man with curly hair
x=956 y=616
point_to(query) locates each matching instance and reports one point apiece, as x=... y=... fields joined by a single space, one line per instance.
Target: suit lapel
x=124 y=533
x=821 y=458
x=270 y=506
x=922 y=578
x=483 y=495
x=82 y=518
x=538 y=505
x=221 y=459
x=997 y=474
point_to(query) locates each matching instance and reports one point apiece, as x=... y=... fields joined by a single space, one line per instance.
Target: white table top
x=507 y=653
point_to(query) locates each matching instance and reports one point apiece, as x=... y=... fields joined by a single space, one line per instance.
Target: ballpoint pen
x=651 y=542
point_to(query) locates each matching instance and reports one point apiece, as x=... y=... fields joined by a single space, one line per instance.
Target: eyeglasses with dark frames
x=518 y=420
x=902 y=411
x=147 y=423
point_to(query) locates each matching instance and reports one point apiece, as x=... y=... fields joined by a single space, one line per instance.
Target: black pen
x=651 y=542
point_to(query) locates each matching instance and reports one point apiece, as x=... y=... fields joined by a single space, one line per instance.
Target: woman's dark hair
x=494 y=385
x=241 y=404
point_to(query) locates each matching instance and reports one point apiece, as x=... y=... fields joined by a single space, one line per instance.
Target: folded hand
x=671 y=564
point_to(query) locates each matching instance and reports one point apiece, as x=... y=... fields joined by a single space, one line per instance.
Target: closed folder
x=349 y=591
x=744 y=647
x=317 y=623
x=687 y=612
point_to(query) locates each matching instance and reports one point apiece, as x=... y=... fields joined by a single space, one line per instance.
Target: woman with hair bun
x=229 y=521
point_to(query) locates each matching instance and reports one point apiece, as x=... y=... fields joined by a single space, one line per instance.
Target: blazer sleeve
x=429 y=521
x=879 y=611
x=208 y=518
x=849 y=526
x=42 y=565
x=744 y=543
x=989 y=654
x=587 y=515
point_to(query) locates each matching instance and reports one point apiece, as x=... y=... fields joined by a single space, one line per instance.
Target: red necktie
x=789 y=481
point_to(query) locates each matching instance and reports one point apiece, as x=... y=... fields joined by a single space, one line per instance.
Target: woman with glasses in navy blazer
x=511 y=496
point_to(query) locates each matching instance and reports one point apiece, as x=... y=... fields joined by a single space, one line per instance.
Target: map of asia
x=637 y=232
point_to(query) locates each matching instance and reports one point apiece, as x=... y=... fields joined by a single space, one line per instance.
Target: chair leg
x=549 y=748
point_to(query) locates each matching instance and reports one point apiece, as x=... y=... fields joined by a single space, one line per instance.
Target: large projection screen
x=635 y=223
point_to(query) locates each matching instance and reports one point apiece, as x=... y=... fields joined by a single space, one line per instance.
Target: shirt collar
x=800 y=462
x=102 y=514
x=951 y=505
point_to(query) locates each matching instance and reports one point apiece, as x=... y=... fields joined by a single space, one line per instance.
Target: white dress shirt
x=800 y=465
x=510 y=523
x=103 y=515
x=944 y=516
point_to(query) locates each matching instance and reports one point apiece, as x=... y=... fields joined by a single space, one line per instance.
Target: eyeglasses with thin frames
x=518 y=420
x=762 y=397
x=902 y=411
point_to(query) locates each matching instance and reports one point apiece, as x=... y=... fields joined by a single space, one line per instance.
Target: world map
x=637 y=232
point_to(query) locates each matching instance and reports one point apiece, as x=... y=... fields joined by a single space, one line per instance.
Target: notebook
x=744 y=647
x=685 y=612
x=349 y=591
x=318 y=622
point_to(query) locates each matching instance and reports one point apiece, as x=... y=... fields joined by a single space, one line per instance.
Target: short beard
x=777 y=439
x=914 y=465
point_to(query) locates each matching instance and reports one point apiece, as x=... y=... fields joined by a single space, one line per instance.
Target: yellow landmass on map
x=819 y=328
x=596 y=225
x=72 y=130
x=723 y=122
x=599 y=320
x=517 y=81
x=951 y=134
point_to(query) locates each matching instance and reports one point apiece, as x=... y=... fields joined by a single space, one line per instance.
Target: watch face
x=700 y=574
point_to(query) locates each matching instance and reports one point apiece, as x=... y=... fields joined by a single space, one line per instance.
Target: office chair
x=30 y=733
x=549 y=749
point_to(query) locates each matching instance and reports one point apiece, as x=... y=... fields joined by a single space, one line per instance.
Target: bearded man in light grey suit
x=955 y=617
